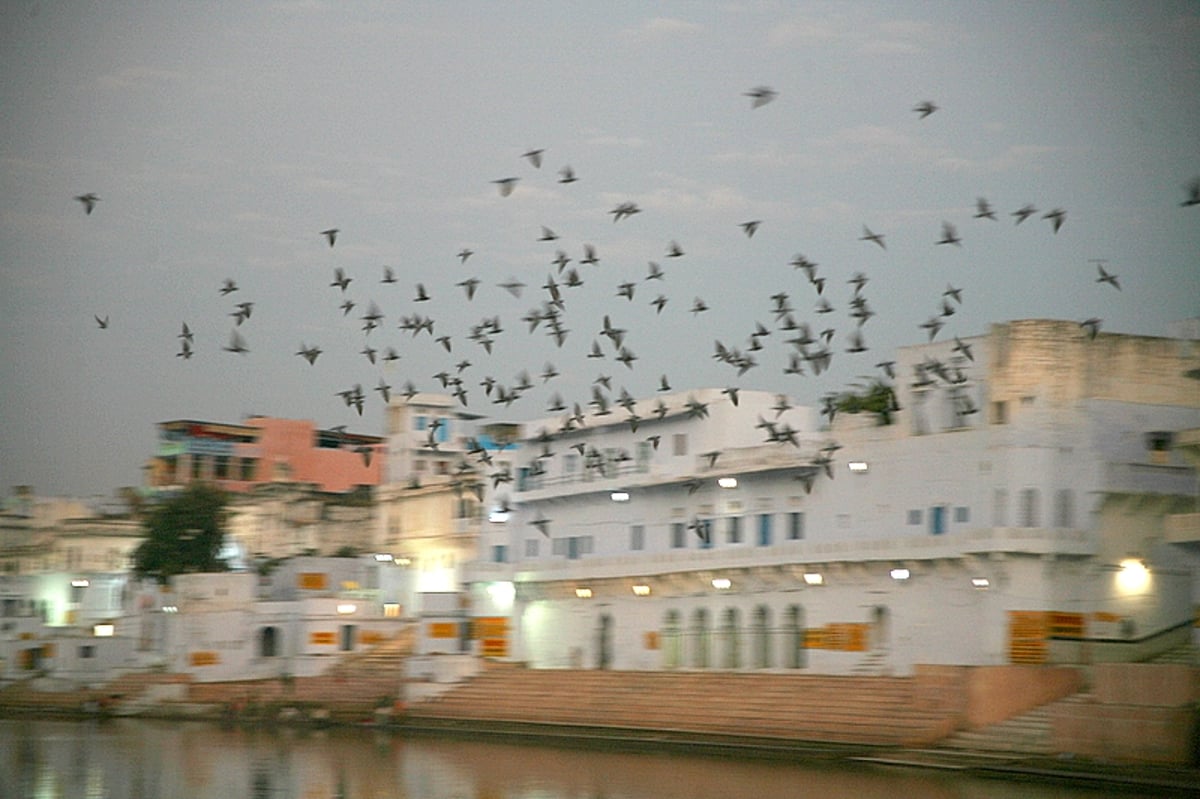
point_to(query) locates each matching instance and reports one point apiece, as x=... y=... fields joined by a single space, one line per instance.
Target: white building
x=1017 y=509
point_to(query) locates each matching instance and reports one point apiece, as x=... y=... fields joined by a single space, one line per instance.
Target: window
x=644 y=450
x=499 y=553
x=1000 y=508
x=531 y=547
x=441 y=467
x=733 y=529
x=1064 y=510
x=795 y=525
x=679 y=444
x=248 y=465
x=704 y=531
x=937 y=519
x=420 y=423
x=678 y=535
x=221 y=472
x=570 y=464
x=1029 y=508
x=962 y=515
x=637 y=537
x=1000 y=412
x=87 y=651
x=197 y=468
x=764 y=529
x=914 y=516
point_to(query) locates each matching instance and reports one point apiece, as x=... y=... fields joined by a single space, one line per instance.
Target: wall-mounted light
x=857 y=466
x=346 y=608
x=103 y=630
x=982 y=583
x=1134 y=577
x=583 y=593
x=80 y=583
x=497 y=516
x=721 y=583
x=383 y=557
x=900 y=574
x=814 y=578
x=403 y=561
x=619 y=496
x=641 y=590
x=727 y=482
x=170 y=609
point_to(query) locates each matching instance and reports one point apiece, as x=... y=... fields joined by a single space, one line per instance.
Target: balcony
x=1148 y=478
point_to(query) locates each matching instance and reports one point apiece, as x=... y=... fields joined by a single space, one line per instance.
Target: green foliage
x=183 y=534
x=877 y=398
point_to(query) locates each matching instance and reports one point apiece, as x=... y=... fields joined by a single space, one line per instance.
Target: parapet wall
x=984 y=695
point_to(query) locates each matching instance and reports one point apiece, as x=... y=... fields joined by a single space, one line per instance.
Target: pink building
x=238 y=457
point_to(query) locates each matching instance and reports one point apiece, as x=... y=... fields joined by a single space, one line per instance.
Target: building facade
x=1015 y=508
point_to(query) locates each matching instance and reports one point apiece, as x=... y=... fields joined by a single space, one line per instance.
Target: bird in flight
x=567 y=175
x=339 y=279
x=389 y=275
x=1106 y=276
x=751 y=227
x=925 y=108
x=949 y=235
x=1193 y=193
x=1092 y=326
x=103 y=323
x=229 y=286
x=983 y=210
x=1056 y=217
x=89 y=201
x=868 y=235
x=760 y=96
x=464 y=254
x=309 y=353
x=506 y=185
x=331 y=235
x=236 y=343
x=534 y=157
x=1024 y=212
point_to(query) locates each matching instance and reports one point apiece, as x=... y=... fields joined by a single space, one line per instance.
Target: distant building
x=1023 y=500
x=238 y=457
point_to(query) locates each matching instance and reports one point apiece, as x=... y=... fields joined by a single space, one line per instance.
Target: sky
x=221 y=138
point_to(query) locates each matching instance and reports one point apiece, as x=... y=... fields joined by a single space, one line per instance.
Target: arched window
x=268 y=642
x=672 y=639
x=796 y=656
x=699 y=639
x=761 y=637
x=731 y=637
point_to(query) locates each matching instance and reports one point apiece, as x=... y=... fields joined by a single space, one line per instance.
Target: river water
x=144 y=759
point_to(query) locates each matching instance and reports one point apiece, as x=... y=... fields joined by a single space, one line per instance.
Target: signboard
x=1066 y=625
x=312 y=581
x=204 y=658
x=442 y=629
x=839 y=636
x=322 y=638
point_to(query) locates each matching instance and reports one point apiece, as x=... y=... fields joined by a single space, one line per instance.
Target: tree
x=877 y=398
x=183 y=534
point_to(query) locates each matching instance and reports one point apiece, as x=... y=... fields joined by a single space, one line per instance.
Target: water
x=142 y=759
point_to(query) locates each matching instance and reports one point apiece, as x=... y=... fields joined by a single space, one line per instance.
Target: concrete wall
x=1138 y=712
x=984 y=695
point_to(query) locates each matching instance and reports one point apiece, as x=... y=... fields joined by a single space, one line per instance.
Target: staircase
x=873 y=711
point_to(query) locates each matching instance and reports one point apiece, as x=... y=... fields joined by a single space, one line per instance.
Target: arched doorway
x=268 y=642
x=672 y=641
x=699 y=639
x=880 y=628
x=731 y=638
x=761 y=637
x=793 y=636
x=604 y=642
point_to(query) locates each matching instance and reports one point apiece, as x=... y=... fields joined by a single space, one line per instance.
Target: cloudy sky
x=222 y=138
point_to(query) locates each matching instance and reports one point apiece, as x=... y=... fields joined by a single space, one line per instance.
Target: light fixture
x=900 y=574
x=981 y=583
x=403 y=561
x=80 y=583
x=814 y=578
x=502 y=592
x=583 y=593
x=727 y=482
x=721 y=583
x=383 y=557
x=103 y=630
x=497 y=516
x=857 y=466
x=346 y=608
x=170 y=609
x=1134 y=577
x=619 y=496
x=641 y=590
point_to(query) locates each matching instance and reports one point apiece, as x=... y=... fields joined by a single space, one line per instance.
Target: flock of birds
x=809 y=343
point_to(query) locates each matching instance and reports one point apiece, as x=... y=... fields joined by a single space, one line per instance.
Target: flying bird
x=751 y=227
x=331 y=235
x=1107 y=277
x=308 y=353
x=925 y=108
x=186 y=334
x=89 y=201
x=949 y=235
x=103 y=323
x=1024 y=212
x=983 y=210
x=464 y=254
x=228 y=287
x=1092 y=326
x=567 y=175
x=389 y=276
x=760 y=96
x=1056 y=217
x=506 y=185
x=869 y=235
x=236 y=343
x=1193 y=193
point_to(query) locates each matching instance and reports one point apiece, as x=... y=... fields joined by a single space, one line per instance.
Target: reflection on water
x=137 y=759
